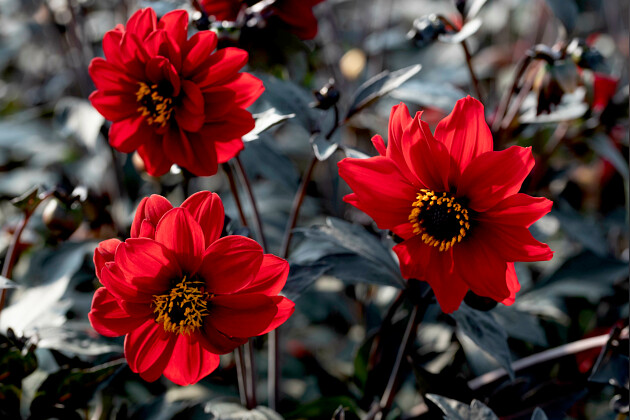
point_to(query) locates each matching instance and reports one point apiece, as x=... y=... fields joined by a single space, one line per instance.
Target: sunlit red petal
x=514 y=243
x=147 y=265
x=285 y=310
x=207 y=209
x=108 y=318
x=148 y=349
x=512 y=283
x=150 y=209
x=271 y=276
x=242 y=315
x=494 y=176
x=376 y=181
x=180 y=233
x=104 y=253
x=190 y=361
x=175 y=23
x=517 y=210
x=230 y=264
x=465 y=132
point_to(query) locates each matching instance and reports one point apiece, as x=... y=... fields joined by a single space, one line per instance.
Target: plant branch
x=544 y=356
x=237 y=200
x=248 y=188
x=521 y=66
x=241 y=376
x=473 y=76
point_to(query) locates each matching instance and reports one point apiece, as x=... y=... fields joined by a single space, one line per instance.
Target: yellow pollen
x=183 y=308
x=156 y=108
x=439 y=219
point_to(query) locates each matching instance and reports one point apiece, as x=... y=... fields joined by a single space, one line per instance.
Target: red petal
x=114 y=106
x=230 y=264
x=465 y=132
x=247 y=89
x=111 y=46
x=207 y=209
x=129 y=134
x=242 y=315
x=107 y=76
x=478 y=263
x=150 y=209
x=147 y=265
x=217 y=342
x=285 y=310
x=427 y=158
x=379 y=145
x=203 y=160
x=190 y=362
x=198 y=49
x=271 y=276
x=182 y=235
x=420 y=261
x=190 y=113
x=159 y=69
x=133 y=55
x=226 y=150
x=517 y=210
x=399 y=122
x=175 y=23
x=380 y=190
x=142 y=23
x=108 y=318
x=224 y=65
x=513 y=284
x=156 y=161
x=104 y=253
x=116 y=283
x=494 y=176
x=514 y=243
x=217 y=103
x=148 y=350
x=236 y=124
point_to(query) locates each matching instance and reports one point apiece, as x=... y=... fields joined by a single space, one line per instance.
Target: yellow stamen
x=183 y=308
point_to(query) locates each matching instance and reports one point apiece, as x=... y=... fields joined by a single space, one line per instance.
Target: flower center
x=183 y=308
x=439 y=219
x=155 y=102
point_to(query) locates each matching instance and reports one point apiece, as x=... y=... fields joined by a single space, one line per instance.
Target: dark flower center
x=439 y=219
x=183 y=308
x=155 y=102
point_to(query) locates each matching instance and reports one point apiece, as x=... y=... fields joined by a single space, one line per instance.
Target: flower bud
x=327 y=96
x=425 y=30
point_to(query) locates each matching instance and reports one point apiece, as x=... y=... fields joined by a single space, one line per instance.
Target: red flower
x=296 y=14
x=181 y=294
x=453 y=200
x=604 y=88
x=170 y=97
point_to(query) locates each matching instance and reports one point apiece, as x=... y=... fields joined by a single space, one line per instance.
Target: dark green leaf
x=378 y=86
x=469 y=29
x=486 y=332
x=77 y=118
x=301 y=277
x=353 y=153
x=586 y=231
x=232 y=411
x=520 y=325
x=473 y=8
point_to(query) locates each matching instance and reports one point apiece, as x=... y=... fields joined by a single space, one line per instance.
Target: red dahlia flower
x=170 y=97
x=296 y=14
x=181 y=294
x=453 y=200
